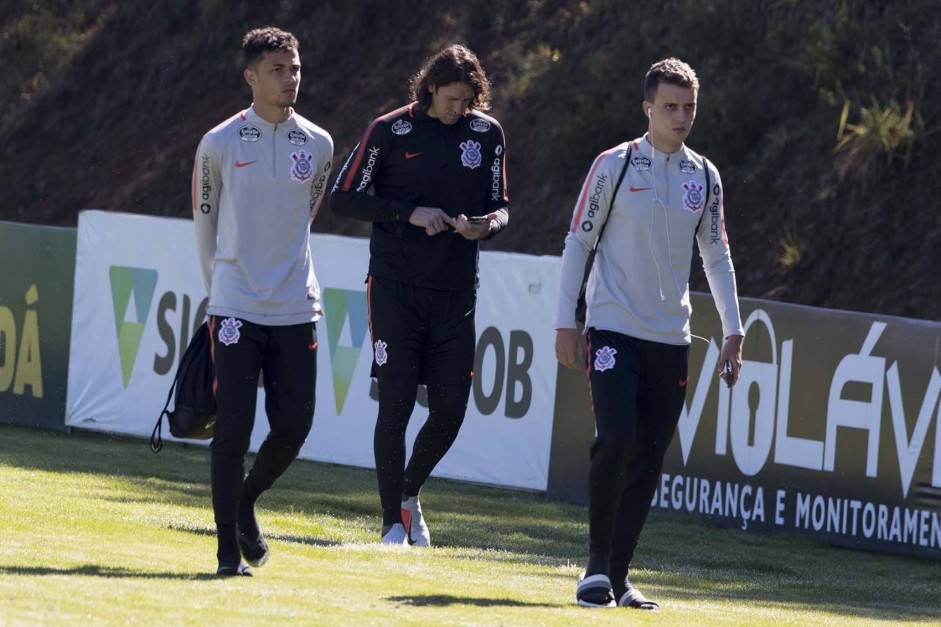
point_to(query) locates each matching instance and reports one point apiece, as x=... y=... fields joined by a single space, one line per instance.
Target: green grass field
x=97 y=530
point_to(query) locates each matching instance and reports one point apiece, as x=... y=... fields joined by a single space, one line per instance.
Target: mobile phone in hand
x=727 y=373
x=478 y=219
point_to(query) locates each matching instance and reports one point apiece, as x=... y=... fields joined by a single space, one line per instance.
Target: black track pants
x=447 y=405
x=287 y=357
x=637 y=390
x=420 y=335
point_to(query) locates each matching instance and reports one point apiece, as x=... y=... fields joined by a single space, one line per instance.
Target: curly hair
x=454 y=64
x=671 y=71
x=256 y=42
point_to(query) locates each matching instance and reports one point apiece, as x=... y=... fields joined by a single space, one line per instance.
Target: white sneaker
x=418 y=533
x=395 y=535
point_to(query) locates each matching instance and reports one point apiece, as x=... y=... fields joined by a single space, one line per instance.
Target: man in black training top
x=436 y=168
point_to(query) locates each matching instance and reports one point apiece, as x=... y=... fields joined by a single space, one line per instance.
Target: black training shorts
x=421 y=333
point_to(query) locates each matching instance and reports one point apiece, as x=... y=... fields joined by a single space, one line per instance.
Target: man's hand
x=472 y=231
x=570 y=348
x=731 y=352
x=432 y=219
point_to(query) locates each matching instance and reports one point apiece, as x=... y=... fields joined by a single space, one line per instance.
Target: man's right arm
x=590 y=213
x=349 y=197
x=207 y=190
x=569 y=342
x=588 y=217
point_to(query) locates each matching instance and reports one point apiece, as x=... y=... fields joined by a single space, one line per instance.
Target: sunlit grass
x=97 y=530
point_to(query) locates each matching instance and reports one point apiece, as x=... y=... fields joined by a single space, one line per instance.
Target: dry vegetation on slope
x=820 y=115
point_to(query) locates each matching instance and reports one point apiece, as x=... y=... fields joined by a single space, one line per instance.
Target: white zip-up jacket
x=639 y=282
x=256 y=189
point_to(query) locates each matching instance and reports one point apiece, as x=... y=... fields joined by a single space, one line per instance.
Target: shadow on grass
x=878 y=610
x=306 y=540
x=93 y=570
x=692 y=559
x=444 y=600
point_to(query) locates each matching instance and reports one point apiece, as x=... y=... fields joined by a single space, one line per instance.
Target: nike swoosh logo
x=242 y=164
x=412 y=155
x=683 y=382
x=638 y=189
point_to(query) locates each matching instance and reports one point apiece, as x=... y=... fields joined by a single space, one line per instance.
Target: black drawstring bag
x=194 y=409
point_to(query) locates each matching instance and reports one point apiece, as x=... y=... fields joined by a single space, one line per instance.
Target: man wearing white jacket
x=638 y=311
x=258 y=181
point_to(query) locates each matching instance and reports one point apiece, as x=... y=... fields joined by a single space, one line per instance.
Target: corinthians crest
x=604 y=358
x=693 y=199
x=471 y=156
x=229 y=331
x=381 y=355
x=302 y=169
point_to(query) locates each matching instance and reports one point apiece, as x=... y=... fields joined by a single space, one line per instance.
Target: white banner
x=139 y=295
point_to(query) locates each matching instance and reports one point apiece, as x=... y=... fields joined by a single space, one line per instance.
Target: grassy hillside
x=820 y=115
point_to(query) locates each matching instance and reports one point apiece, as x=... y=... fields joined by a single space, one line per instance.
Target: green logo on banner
x=343 y=307
x=129 y=320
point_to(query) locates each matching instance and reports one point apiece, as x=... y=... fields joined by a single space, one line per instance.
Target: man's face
x=673 y=111
x=275 y=78
x=450 y=102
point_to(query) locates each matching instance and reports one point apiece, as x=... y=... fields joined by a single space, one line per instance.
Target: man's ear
x=249 y=75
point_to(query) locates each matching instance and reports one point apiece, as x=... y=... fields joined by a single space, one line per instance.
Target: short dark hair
x=671 y=71
x=256 y=42
x=454 y=64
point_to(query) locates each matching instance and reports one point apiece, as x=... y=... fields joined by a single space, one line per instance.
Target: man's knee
x=295 y=433
x=612 y=447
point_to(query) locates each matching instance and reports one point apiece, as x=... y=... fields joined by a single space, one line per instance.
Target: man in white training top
x=258 y=181
x=638 y=310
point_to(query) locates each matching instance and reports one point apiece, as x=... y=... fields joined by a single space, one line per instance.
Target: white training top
x=639 y=283
x=256 y=189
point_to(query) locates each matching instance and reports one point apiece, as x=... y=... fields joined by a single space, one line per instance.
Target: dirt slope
x=104 y=103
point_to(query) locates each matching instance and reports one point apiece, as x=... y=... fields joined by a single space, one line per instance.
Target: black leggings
x=447 y=405
x=637 y=394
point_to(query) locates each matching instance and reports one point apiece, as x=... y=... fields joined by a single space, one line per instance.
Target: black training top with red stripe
x=410 y=159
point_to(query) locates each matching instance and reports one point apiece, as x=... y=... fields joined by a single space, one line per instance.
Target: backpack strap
x=156 y=436
x=705 y=165
x=581 y=305
x=614 y=195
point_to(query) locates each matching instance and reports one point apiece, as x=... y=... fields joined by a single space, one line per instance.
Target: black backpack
x=194 y=410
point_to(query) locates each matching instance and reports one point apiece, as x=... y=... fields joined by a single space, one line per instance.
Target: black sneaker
x=255 y=551
x=242 y=570
x=634 y=599
x=594 y=591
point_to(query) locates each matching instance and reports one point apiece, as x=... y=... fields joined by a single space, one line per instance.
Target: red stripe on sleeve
x=357 y=158
x=583 y=197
